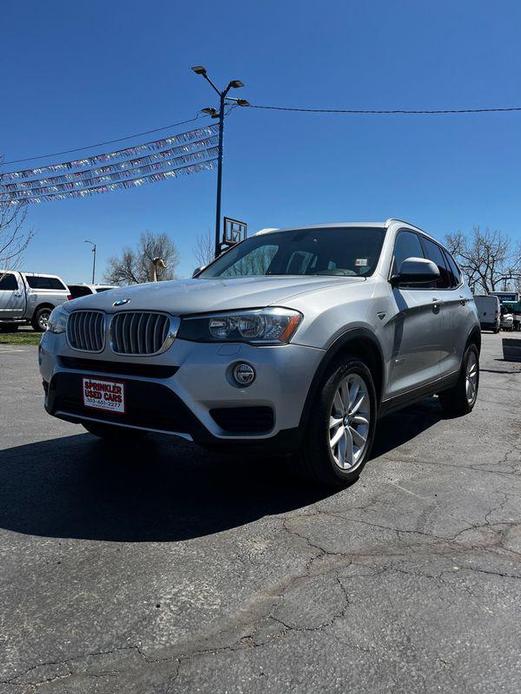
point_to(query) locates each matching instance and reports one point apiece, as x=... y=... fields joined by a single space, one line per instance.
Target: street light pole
x=217 y=245
x=94 y=247
x=223 y=97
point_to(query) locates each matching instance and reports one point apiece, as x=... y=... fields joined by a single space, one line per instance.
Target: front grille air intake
x=139 y=332
x=86 y=330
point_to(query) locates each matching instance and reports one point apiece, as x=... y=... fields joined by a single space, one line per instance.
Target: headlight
x=268 y=326
x=57 y=322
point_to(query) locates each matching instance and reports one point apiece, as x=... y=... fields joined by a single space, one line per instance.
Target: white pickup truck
x=27 y=297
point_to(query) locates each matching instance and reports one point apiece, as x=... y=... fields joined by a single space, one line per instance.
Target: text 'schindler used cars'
x=292 y=341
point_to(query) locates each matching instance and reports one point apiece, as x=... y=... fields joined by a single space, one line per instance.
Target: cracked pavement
x=164 y=569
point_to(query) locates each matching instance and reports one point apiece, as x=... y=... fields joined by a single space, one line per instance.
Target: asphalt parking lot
x=163 y=568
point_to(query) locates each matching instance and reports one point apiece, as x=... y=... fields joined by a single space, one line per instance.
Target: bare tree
x=14 y=235
x=135 y=266
x=204 y=249
x=488 y=258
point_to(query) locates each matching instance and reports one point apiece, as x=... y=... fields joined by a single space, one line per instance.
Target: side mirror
x=415 y=271
x=197 y=271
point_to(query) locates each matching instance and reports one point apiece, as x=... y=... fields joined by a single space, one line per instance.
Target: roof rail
x=390 y=220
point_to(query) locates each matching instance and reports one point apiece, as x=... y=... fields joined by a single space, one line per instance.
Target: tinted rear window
x=77 y=290
x=38 y=282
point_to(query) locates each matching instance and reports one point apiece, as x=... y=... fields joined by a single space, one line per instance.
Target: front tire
x=341 y=426
x=460 y=399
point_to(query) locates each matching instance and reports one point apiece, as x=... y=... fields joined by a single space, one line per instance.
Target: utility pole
x=220 y=115
x=94 y=247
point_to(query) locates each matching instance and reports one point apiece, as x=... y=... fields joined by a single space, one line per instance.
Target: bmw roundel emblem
x=121 y=302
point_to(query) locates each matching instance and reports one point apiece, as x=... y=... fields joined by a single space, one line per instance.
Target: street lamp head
x=210 y=112
x=242 y=102
x=236 y=84
x=199 y=69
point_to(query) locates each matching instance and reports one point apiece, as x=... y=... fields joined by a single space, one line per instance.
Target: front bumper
x=188 y=390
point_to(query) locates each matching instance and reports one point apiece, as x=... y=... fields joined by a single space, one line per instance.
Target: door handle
x=462 y=300
x=435 y=305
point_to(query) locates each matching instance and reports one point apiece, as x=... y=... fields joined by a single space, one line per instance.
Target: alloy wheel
x=43 y=320
x=471 y=378
x=349 y=422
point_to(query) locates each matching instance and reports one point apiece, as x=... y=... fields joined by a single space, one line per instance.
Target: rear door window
x=454 y=271
x=8 y=282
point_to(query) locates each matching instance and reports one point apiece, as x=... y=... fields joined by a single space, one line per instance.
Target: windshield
x=340 y=251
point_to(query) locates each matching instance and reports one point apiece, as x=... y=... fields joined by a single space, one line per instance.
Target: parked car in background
x=294 y=340
x=27 y=297
x=77 y=290
x=489 y=312
x=515 y=307
x=507 y=318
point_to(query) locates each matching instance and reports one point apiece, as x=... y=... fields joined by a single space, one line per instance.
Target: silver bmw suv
x=294 y=341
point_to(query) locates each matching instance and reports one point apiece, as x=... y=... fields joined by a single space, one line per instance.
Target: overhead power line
x=296 y=109
x=102 y=144
x=390 y=112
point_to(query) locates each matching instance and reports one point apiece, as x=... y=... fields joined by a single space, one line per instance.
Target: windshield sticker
x=361 y=262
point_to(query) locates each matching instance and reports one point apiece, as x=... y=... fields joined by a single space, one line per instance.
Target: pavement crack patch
x=24 y=678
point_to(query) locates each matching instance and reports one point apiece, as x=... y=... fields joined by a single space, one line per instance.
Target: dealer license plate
x=104 y=395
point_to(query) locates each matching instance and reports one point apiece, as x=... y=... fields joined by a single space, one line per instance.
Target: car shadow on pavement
x=161 y=490
x=158 y=490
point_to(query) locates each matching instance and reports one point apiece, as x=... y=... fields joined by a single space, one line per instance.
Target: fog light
x=244 y=374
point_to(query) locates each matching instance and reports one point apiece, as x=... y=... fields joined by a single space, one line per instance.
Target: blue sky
x=73 y=73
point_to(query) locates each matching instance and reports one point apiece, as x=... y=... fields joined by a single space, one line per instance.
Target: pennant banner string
x=133 y=172
x=109 y=169
x=96 y=159
x=119 y=185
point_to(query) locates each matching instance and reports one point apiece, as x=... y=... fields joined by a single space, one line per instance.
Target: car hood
x=182 y=297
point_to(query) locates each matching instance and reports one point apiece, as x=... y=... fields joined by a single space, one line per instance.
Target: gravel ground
x=163 y=568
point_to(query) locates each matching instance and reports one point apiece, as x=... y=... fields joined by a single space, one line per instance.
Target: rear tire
x=341 y=426
x=460 y=399
x=114 y=434
x=40 y=319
